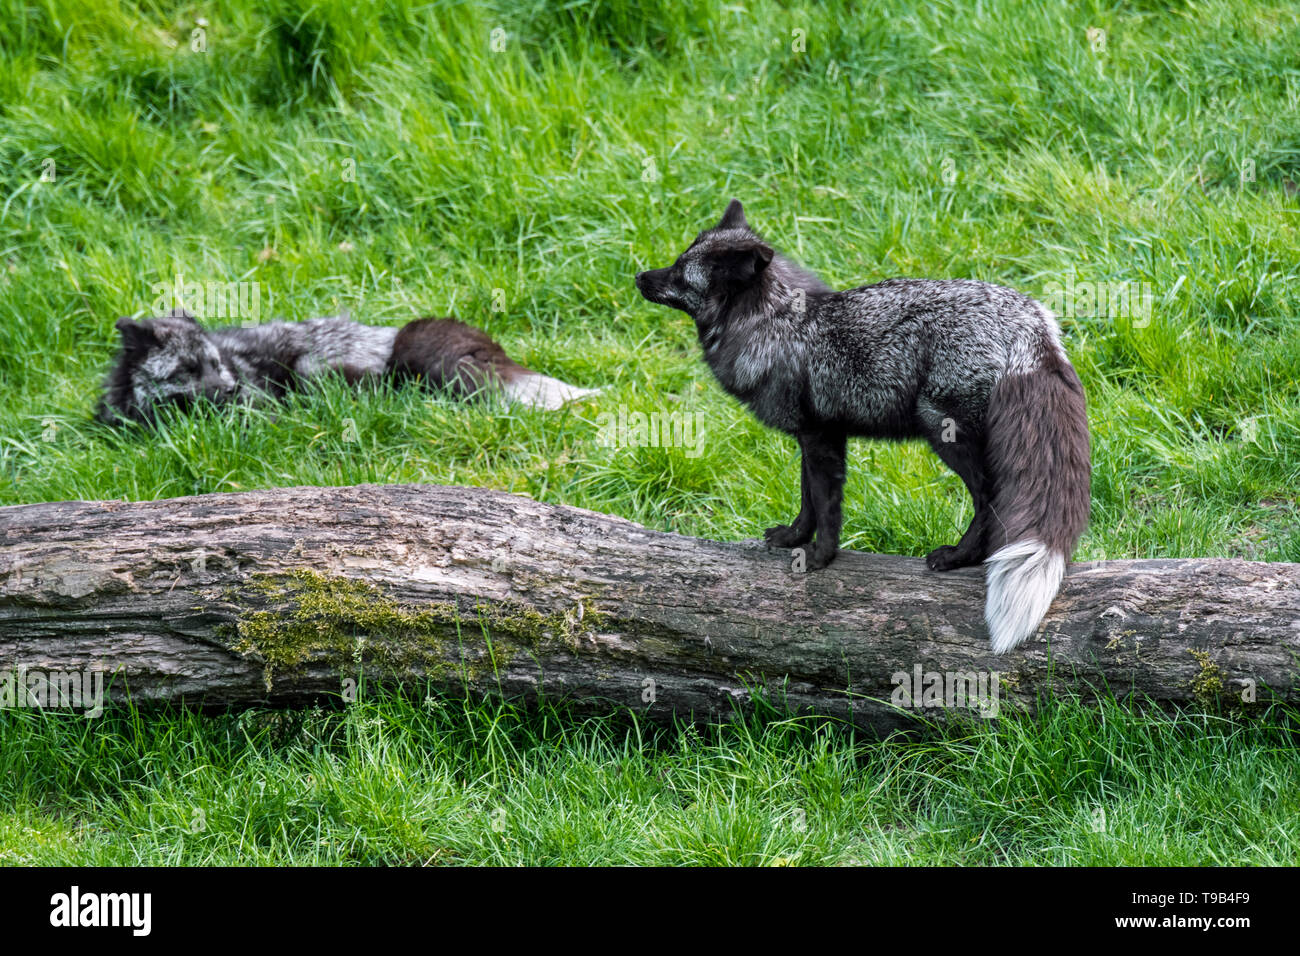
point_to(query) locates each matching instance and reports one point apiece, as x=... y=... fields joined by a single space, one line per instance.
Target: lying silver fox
x=174 y=360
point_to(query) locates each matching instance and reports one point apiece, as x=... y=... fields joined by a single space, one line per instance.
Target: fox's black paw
x=785 y=536
x=818 y=559
x=948 y=558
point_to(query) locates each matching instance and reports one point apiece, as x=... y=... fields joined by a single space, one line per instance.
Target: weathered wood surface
x=282 y=596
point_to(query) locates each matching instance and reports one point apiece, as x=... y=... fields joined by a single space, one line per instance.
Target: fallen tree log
x=288 y=595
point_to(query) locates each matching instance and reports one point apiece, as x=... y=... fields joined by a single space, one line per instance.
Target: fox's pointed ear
x=135 y=334
x=742 y=265
x=734 y=217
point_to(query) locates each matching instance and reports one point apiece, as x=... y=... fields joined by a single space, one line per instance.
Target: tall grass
x=402 y=782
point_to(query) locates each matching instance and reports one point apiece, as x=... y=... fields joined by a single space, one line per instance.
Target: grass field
x=514 y=164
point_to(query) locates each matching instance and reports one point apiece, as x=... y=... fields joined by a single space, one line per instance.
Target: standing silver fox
x=975 y=369
x=174 y=360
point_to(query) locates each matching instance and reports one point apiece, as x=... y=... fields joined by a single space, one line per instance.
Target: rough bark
x=284 y=596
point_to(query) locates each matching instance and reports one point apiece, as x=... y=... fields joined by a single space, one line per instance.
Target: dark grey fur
x=977 y=370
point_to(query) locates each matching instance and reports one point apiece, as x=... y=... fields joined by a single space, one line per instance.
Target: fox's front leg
x=801 y=531
x=824 y=455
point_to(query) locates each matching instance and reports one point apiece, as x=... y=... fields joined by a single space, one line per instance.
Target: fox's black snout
x=652 y=284
x=647 y=280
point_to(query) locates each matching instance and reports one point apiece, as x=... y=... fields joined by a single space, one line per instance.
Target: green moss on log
x=1207 y=685
x=304 y=615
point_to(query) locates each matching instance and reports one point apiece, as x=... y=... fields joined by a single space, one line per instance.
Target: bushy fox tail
x=447 y=353
x=1038 y=456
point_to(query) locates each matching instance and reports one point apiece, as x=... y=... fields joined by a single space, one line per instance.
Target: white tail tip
x=1022 y=579
x=542 y=391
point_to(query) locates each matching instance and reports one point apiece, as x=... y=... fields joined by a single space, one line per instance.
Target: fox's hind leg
x=966 y=458
x=801 y=531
